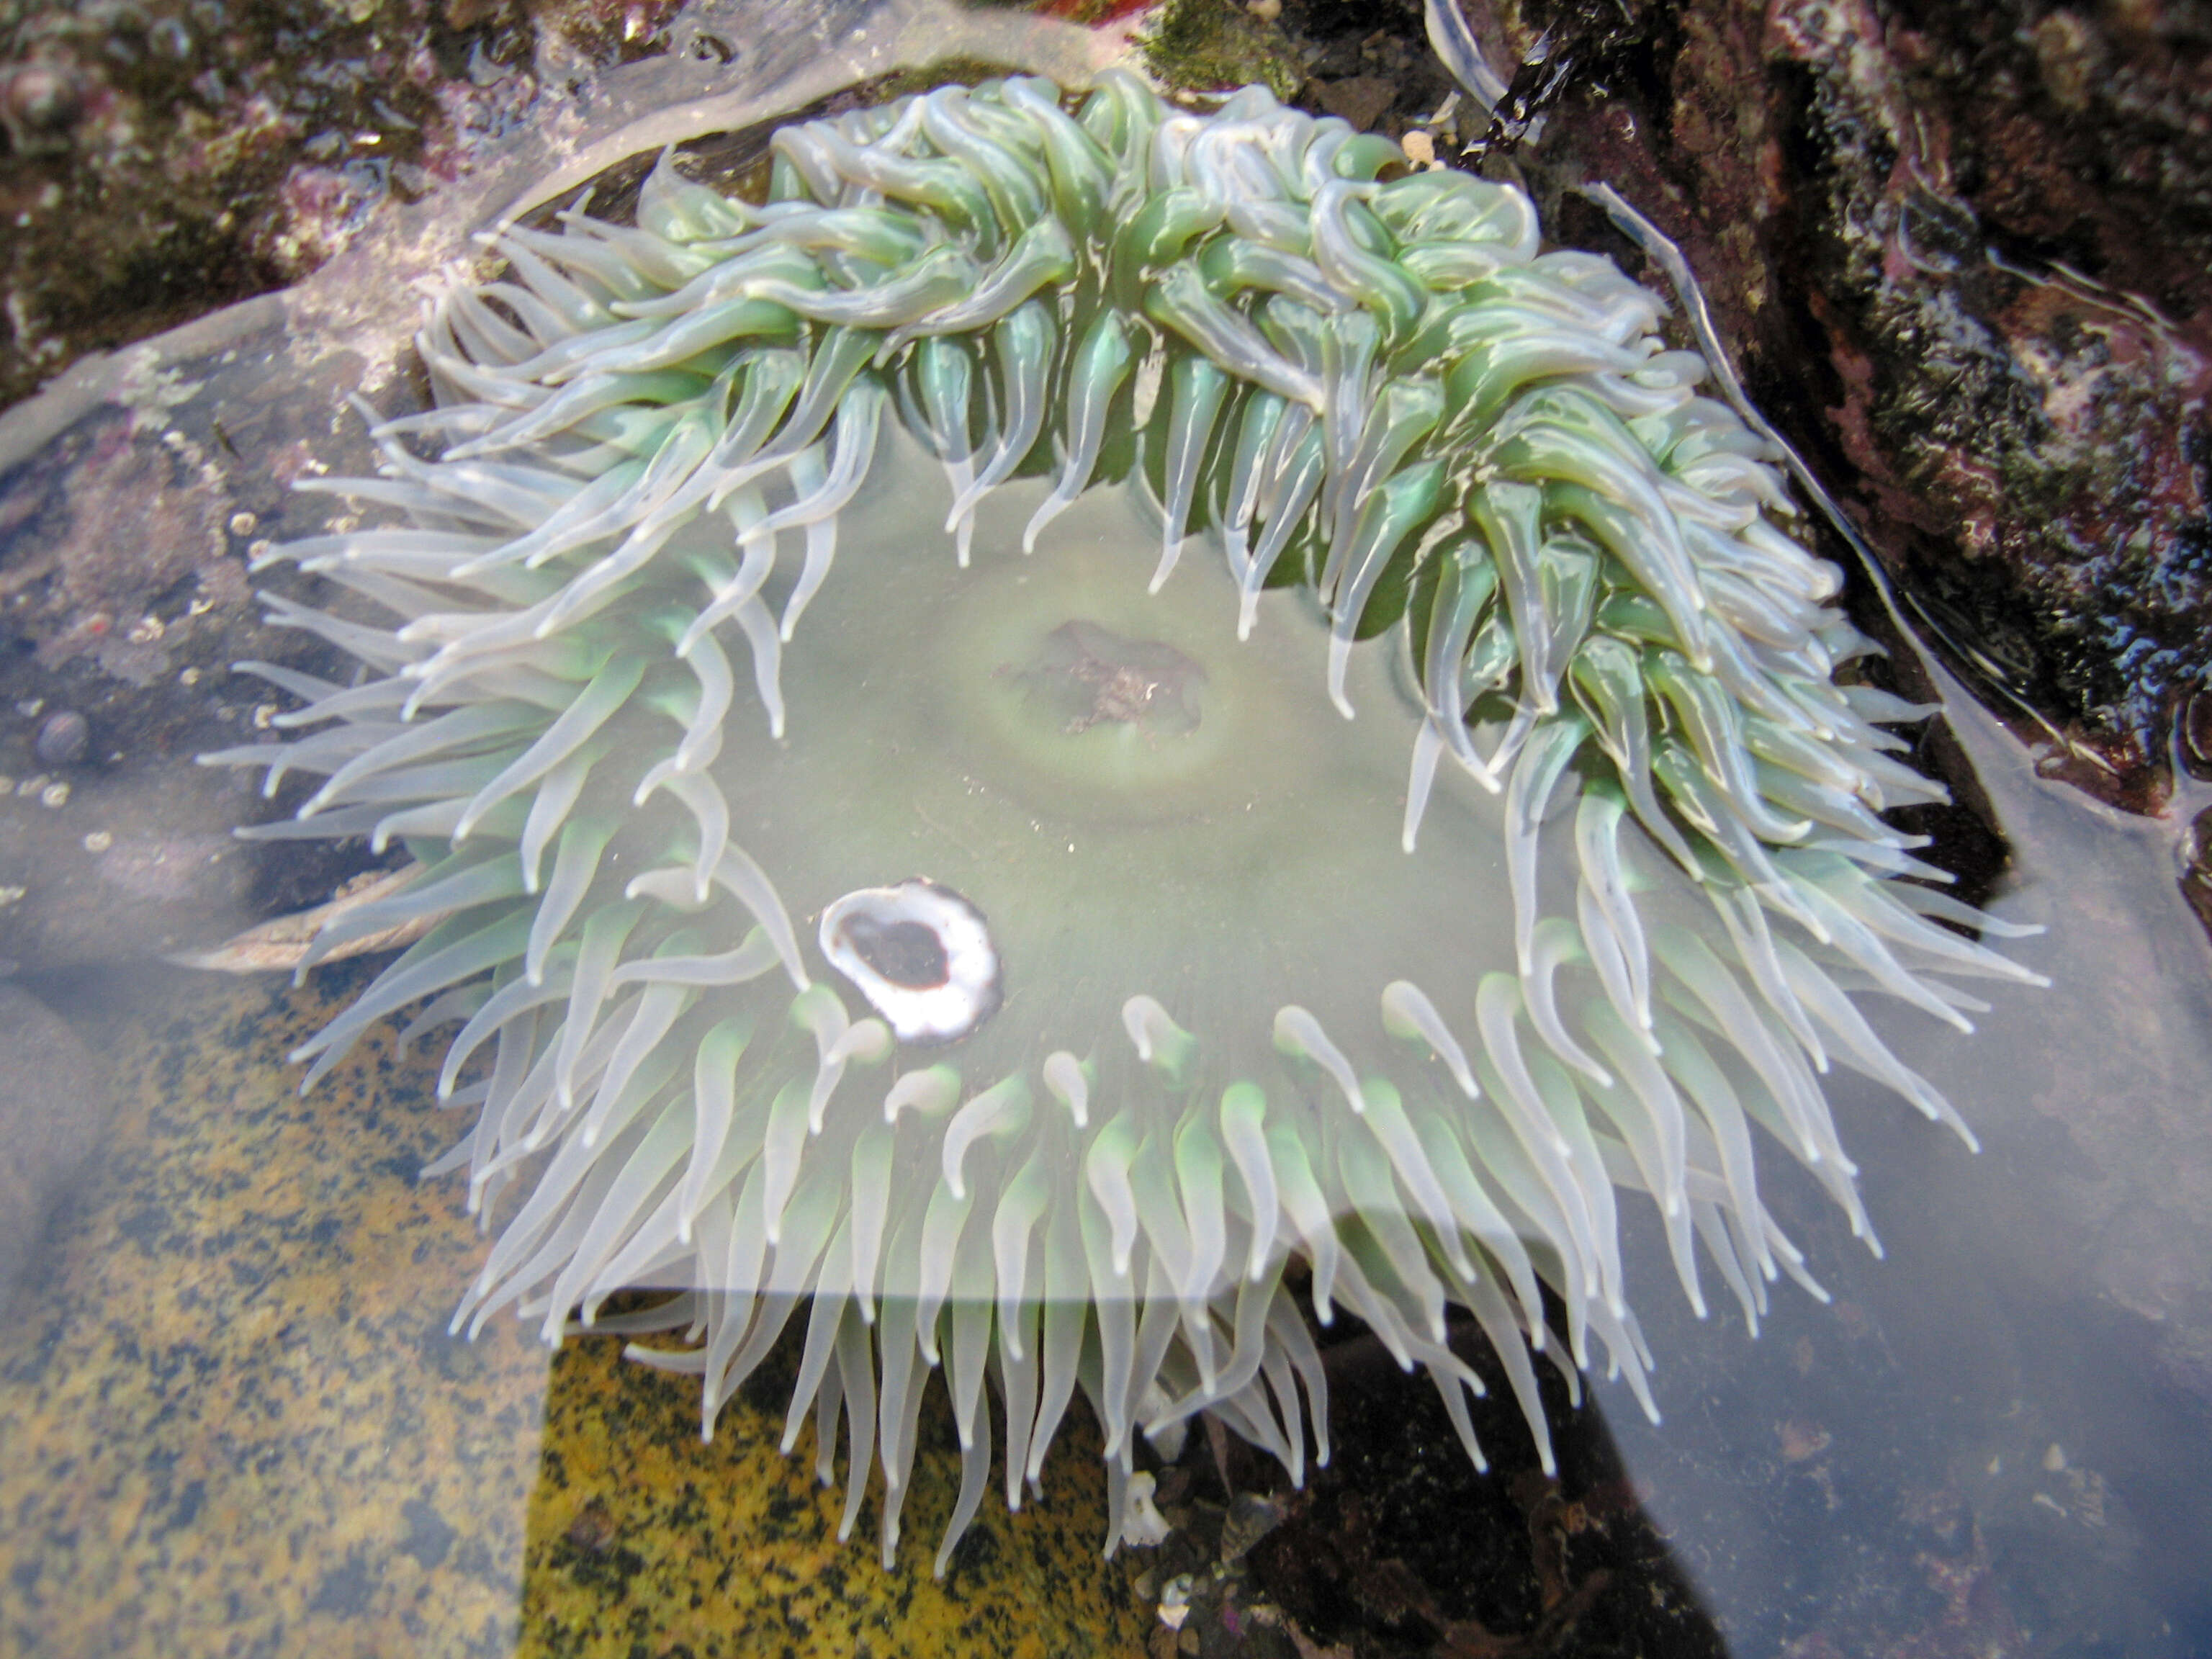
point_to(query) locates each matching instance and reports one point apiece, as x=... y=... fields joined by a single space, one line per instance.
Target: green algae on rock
x=1165 y=973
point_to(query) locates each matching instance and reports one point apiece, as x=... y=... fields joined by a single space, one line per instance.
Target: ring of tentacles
x=866 y=670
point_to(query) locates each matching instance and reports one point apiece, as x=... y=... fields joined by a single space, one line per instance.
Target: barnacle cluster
x=1142 y=983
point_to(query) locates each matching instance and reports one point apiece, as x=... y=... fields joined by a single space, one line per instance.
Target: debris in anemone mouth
x=1271 y=999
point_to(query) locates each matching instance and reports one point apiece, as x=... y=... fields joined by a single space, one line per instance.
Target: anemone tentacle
x=1369 y=387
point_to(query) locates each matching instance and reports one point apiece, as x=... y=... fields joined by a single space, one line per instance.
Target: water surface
x=231 y=1419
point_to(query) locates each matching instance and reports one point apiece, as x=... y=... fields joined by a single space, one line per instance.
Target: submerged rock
x=235 y=1421
x=53 y=1110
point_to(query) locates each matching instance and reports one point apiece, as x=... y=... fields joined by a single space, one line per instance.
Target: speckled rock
x=1964 y=256
x=234 y=1423
x=641 y=1538
x=54 y=1106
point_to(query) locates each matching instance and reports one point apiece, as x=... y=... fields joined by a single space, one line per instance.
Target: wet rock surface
x=236 y=1422
x=54 y=1107
x=1962 y=256
x=164 y=157
x=133 y=861
x=640 y=1537
x=116 y=846
x=1367 y=61
x=126 y=603
x=1400 y=1547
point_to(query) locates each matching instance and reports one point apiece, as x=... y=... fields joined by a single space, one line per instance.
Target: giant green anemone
x=1084 y=717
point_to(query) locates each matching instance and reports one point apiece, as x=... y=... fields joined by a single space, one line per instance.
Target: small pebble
x=39 y=104
x=54 y=794
x=63 y=739
x=1266 y=10
x=11 y=895
x=1174 y=1602
x=99 y=841
x=189 y=678
x=32 y=786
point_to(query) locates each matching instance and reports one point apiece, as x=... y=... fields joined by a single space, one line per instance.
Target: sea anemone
x=1036 y=972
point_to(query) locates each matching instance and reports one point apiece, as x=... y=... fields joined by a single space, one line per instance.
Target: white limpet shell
x=919 y=953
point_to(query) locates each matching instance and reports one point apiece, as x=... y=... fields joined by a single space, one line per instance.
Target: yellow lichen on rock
x=234 y=1420
x=640 y=1533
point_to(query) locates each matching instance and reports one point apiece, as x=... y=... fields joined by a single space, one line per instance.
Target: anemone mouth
x=1477 y=836
x=1075 y=691
x=1214 y=833
x=1084 y=676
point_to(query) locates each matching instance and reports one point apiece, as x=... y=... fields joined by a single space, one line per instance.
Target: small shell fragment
x=280 y=943
x=1146 y=1528
x=919 y=953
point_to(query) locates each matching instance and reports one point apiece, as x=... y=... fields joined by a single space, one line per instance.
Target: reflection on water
x=1993 y=1440
x=2006 y=1419
x=231 y=1418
